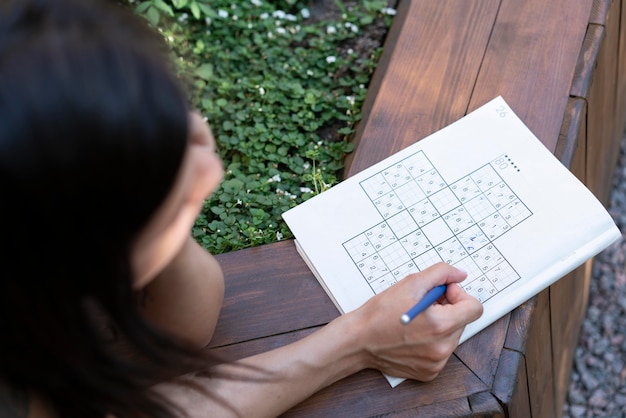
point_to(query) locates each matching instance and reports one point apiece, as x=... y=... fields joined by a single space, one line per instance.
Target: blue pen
x=430 y=298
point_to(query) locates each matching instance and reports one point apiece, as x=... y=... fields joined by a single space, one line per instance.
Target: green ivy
x=282 y=94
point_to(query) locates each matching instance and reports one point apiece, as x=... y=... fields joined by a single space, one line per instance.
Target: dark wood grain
x=368 y=394
x=514 y=397
x=621 y=70
x=429 y=76
x=603 y=133
x=269 y=291
x=486 y=405
x=530 y=61
x=569 y=143
x=587 y=61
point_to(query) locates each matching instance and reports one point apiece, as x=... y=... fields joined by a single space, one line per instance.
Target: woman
x=105 y=298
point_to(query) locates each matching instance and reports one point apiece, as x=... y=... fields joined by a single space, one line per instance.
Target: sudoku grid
x=425 y=220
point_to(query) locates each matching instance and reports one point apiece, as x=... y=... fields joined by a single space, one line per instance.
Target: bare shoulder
x=16 y=403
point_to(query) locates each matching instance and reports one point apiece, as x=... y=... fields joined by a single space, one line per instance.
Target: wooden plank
x=484 y=404
x=519 y=326
x=367 y=394
x=452 y=408
x=428 y=76
x=569 y=149
x=599 y=11
x=269 y=290
x=587 y=61
x=481 y=352
x=530 y=61
x=621 y=71
x=515 y=399
x=539 y=360
x=603 y=135
x=568 y=304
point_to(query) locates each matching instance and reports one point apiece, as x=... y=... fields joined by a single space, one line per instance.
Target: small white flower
x=351 y=26
x=306 y=13
x=207 y=20
x=306 y=165
x=264 y=16
x=183 y=17
x=239 y=202
x=330 y=59
x=281 y=31
x=305 y=190
x=279 y=14
x=309 y=72
x=235 y=17
x=330 y=30
x=261 y=91
x=389 y=11
x=256 y=2
x=222 y=13
x=350 y=100
x=279 y=236
x=270 y=35
x=290 y=17
x=276 y=178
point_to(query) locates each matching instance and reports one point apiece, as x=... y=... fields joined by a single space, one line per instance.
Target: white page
x=483 y=194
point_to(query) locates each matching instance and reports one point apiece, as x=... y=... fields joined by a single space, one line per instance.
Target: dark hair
x=93 y=128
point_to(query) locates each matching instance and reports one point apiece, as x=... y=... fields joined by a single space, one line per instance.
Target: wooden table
x=561 y=66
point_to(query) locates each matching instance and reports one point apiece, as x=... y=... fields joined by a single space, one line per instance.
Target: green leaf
x=164 y=7
x=153 y=16
x=179 y=4
x=205 y=71
x=195 y=10
x=142 y=7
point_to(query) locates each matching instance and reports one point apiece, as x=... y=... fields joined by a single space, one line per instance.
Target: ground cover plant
x=282 y=88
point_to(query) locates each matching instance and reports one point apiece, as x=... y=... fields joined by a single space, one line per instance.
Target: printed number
x=501 y=111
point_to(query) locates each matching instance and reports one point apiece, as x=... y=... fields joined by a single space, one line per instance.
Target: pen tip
x=405 y=319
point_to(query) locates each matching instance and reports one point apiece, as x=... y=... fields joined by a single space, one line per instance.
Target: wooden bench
x=561 y=65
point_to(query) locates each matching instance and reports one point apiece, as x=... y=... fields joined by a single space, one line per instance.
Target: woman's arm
x=186 y=297
x=372 y=336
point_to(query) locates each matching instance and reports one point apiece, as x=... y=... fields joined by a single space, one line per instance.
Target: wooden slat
x=485 y=345
x=568 y=303
x=621 y=71
x=587 y=61
x=569 y=144
x=568 y=297
x=269 y=290
x=602 y=134
x=485 y=404
x=428 y=76
x=531 y=59
x=599 y=11
x=539 y=360
x=519 y=326
x=368 y=394
x=515 y=397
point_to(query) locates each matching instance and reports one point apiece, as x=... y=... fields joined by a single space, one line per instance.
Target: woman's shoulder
x=17 y=403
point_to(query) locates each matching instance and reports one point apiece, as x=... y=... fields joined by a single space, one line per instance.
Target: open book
x=483 y=194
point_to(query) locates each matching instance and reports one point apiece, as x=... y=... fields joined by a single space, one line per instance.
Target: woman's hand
x=420 y=349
